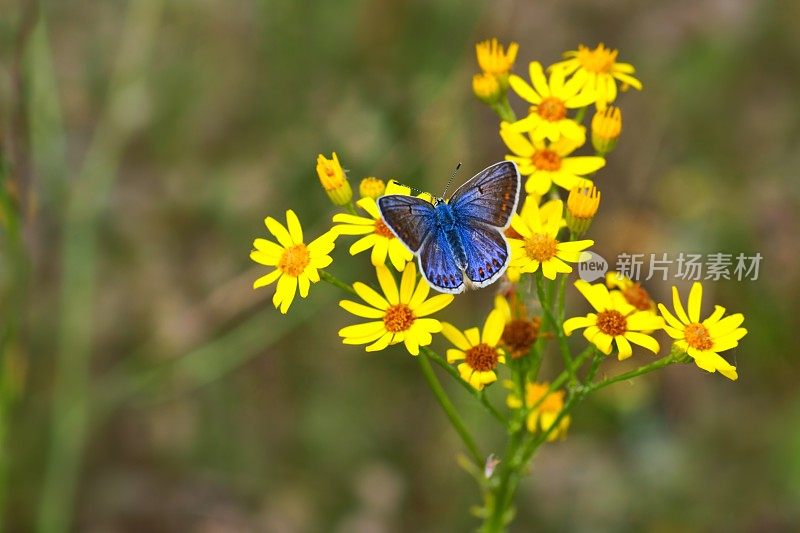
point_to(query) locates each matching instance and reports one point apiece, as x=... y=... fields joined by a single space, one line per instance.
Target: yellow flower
x=546 y=164
x=632 y=291
x=333 y=180
x=582 y=205
x=606 y=128
x=376 y=235
x=597 y=72
x=493 y=59
x=296 y=263
x=486 y=88
x=478 y=351
x=371 y=188
x=538 y=245
x=397 y=315
x=545 y=414
x=552 y=209
x=547 y=118
x=615 y=320
x=519 y=332
x=703 y=341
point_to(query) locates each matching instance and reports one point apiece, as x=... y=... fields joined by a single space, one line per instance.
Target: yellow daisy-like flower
x=616 y=320
x=538 y=245
x=703 y=340
x=547 y=117
x=550 y=210
x=597 y=72
x=376 y=235
x=545 y=164
x=296 y=264
x=478 y=351
x=545 y=414
x=399 y=315
x=493 y=59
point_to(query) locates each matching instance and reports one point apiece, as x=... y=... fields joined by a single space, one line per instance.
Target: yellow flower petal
x=493 y=328
x=280 y=233
x=455 y=336
x=369 y=295
x=407 y=283
x=360 y=310
x=645 y=341
x=473 y=336
x=454 y=355
x=515 y=141
x=571 y=324
x=524 y=90
x=362 y=330
x=263 y=281
x=364 y=243
x=295 y=230
x=379 y=251
x=388 y=285
x=380 y=344
x=303 y=284
x=623 y=347
x=437 y=303
x=537 y=78
x=421 y=292
x=695 y=301
x=678 y=306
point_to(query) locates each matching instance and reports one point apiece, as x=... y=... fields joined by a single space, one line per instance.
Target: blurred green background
x=146 y=387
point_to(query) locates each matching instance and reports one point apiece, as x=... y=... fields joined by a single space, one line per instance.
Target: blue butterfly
x=459 y=242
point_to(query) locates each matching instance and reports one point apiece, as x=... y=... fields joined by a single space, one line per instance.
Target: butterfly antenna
x=453 y=175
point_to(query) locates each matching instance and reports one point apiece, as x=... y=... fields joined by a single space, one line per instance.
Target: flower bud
x=606 y=127
x=582 y=205
x=372 y=188
x=486 y=88
x=333 y=180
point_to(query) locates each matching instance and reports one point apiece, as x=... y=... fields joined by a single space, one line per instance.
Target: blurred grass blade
x=69 y=416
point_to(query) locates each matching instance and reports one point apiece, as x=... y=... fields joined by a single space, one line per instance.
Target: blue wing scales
x=490 y=197
x=411 y=219
x=437 y=263
x=487 y=253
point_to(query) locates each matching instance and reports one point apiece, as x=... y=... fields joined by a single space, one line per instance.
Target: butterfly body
x=459 y=243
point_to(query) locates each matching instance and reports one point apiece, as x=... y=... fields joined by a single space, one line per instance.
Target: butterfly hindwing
x=490 y=197
x=437 y=263
x=487 y=253
x=411 y=219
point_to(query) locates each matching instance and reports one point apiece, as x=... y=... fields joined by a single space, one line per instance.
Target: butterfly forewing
x=411 y=219
x=490 y=197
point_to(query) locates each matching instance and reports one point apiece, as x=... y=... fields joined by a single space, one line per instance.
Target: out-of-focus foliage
x=207 y=411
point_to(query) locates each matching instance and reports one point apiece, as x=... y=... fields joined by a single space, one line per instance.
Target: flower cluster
x=559 y=162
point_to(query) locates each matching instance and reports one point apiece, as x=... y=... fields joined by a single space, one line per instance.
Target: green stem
x=478 y=395
x=351 y=208
x=661 y=363
x=503 y=110
x=449 y=409
x=555 y=325
x=336 y=282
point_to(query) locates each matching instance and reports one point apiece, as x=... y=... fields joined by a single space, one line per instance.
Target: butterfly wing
x=411 y=219
x=487 y=253
x=490 y=197
x=437 y=263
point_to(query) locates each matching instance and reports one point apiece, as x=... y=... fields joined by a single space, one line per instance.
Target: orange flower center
x=382 y=230
x=482 y=358
x=638 y=297
x=697 y=336
x=519 y=335
x=541 y=247
x=546 y=160
x=599 y=60
x=398 y=318
x=552 y=109
x=294 y=260
x=611 y=322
